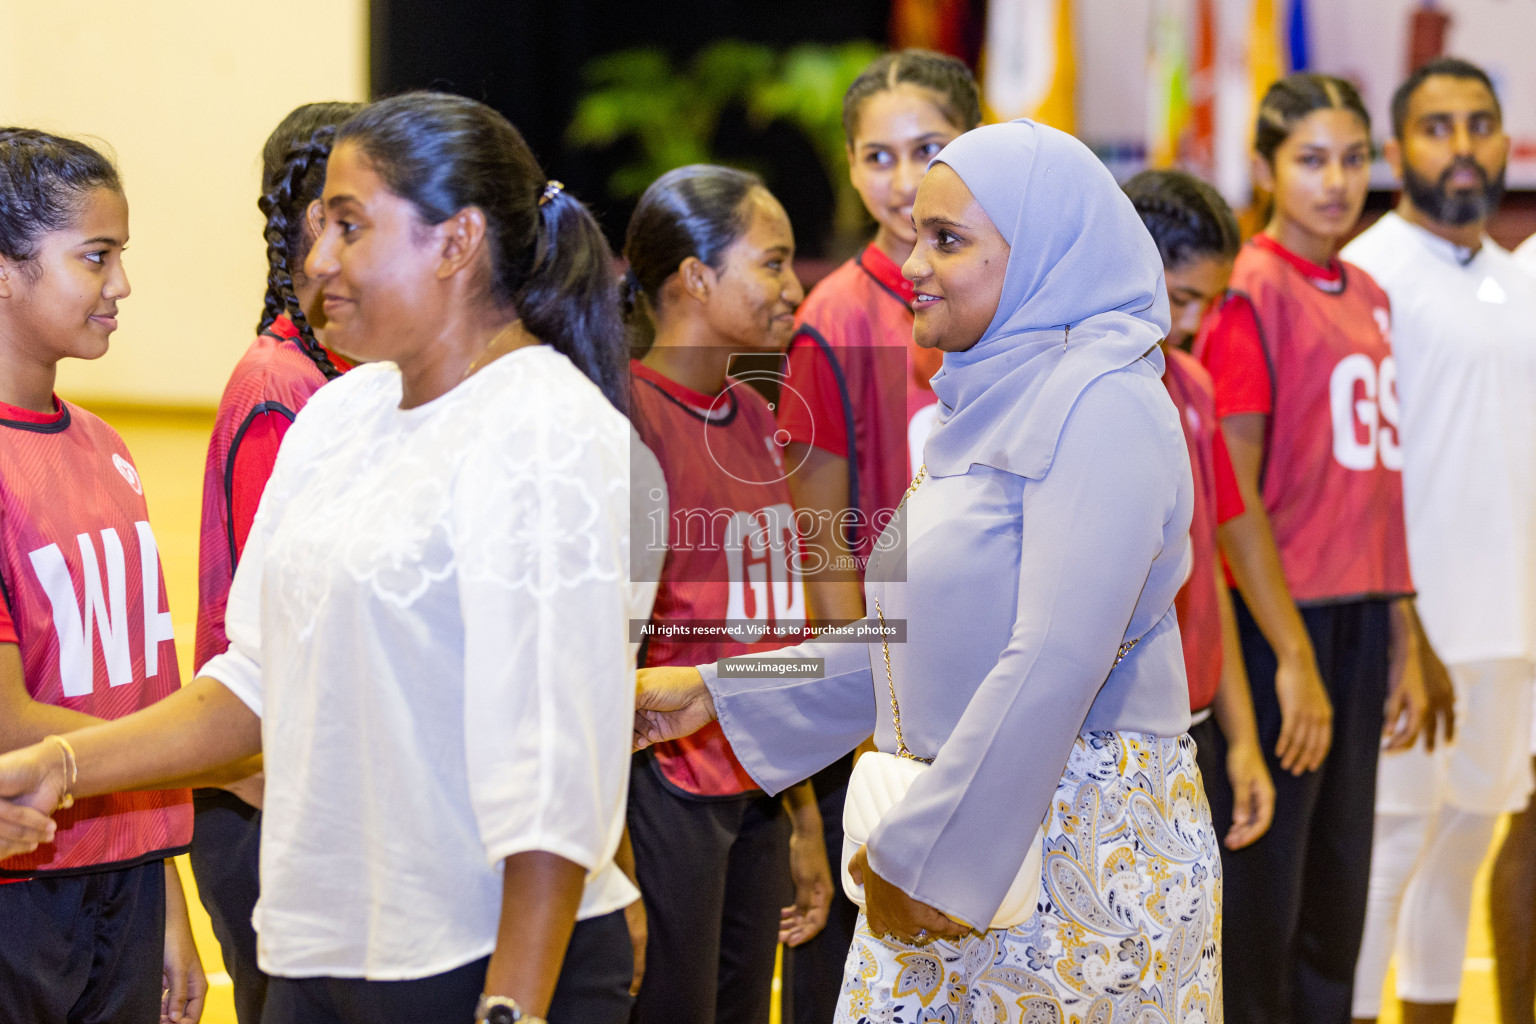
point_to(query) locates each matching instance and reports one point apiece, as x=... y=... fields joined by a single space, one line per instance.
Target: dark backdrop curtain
x=524 y=57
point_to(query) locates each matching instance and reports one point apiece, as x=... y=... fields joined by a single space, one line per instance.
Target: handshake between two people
x=34 y=780
x=33 y=784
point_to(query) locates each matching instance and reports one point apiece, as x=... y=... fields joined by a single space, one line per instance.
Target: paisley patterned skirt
x=1128 y=929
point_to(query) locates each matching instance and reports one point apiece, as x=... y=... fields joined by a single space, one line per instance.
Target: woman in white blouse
x=429 y=629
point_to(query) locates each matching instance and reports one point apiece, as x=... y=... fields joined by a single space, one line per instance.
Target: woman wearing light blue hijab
x=1041 y=668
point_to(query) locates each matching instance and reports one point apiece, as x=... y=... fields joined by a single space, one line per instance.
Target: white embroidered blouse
x=431 y=619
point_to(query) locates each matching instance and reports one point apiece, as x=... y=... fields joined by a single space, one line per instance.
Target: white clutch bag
x=879 y=780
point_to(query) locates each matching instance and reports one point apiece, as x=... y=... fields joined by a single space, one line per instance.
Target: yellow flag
x=1029 y=62
x=1266 y=60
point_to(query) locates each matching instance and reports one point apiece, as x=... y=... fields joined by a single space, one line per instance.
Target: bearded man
x=1464 y=338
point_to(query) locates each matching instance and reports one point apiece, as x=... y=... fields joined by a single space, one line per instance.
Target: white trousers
x=1435 y=815
x=1418 y=905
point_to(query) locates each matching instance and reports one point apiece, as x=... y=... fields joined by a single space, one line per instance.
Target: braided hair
x=43 y=180
x=293 y=175
x=946 y=77
x=1295 y=96
x=1187 y=218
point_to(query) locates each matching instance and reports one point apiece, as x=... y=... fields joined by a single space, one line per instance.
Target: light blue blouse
x=1018 y=594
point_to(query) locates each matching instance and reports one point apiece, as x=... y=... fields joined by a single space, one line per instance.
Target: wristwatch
x=503 y=1010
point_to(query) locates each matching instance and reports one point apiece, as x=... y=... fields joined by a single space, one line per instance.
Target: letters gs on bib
x=1362 y=397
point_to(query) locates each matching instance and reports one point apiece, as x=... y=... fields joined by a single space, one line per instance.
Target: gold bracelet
x=71 y=771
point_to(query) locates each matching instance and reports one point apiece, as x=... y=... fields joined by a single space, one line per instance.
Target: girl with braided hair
x=93 y=925
x=1198 y=238
x=284 y=366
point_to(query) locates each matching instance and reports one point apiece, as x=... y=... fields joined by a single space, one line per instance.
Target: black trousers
x=83 y=949
x=593 y=988
x=226 y=848
x=1294 y=902
x=714 y=874
x=813 y=972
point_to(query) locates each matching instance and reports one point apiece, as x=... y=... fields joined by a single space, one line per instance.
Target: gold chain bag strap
x=880 y=780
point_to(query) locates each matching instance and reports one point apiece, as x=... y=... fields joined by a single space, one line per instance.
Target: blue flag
x=1296 y=35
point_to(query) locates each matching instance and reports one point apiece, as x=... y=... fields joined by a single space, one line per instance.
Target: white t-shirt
x=431 y=618
x=1464 y=338
x=1525 y=255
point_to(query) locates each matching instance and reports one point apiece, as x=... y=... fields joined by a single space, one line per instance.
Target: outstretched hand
x=31 y=785
x=670 y=703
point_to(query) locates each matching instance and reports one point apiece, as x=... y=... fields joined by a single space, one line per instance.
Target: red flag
x=1200 y=152
x=943 y=25
x=1426 y=36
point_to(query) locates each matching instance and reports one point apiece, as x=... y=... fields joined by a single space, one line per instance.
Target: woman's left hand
x=892 y=912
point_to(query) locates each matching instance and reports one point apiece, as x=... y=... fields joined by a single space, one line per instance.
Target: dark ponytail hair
x=699 y=211
x=293 y=176
x=946 y=77
x=1293 y=98
x=549 y=260
x=43 y=181
x=1186 y=217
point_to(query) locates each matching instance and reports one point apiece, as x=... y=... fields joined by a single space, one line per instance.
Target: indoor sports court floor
x=169 y=448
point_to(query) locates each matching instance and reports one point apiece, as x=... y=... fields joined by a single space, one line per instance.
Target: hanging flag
x=1298 y=37
x=1168 y=107
x=1200 y=143
x=942 y=25
x=1234 y=101
x=1266 y=61
x=1029 y=63
x=1426 y=35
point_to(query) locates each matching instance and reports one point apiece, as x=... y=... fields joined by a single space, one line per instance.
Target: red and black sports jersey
x=269 y=386
x=854 y=370
x=85 y=600
x=1332 y=476
x=733 y=553
x=1216 y=500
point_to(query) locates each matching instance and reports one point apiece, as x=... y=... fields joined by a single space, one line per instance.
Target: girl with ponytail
x=429 y=631
x=711 y=276
x=283 y=367
x=1198 y=238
